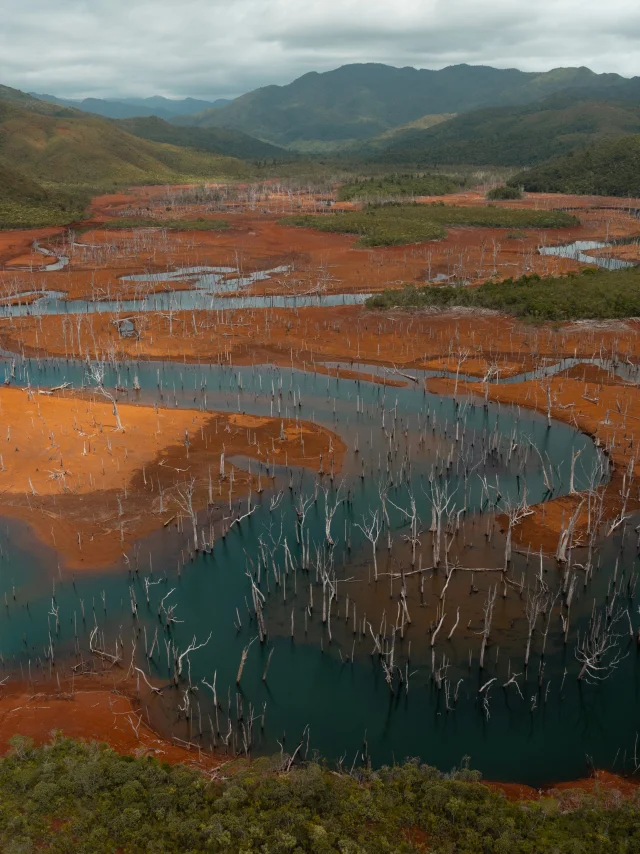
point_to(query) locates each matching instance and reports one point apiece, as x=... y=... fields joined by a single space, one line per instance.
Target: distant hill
x=361 y=101
x=53 y=144
x=114 y=108
x=513 y=136
x=233 y=143
x=30 y=102
x=174 y=106
x=610 y=168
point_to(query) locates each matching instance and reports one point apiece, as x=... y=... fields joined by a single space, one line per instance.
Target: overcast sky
x=214 y=48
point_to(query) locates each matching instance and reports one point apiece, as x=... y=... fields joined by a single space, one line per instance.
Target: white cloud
x=210 y=48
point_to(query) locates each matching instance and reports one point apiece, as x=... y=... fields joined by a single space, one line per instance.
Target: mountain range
x=378 y=116
x=363 y=101
x=126 y=108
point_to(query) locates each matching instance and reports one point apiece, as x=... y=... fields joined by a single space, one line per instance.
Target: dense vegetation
x=393 y=186
x=75 y=797
x=607 y=169
x=514 y=136
x=199 y=224
x=504 y=194
x=364 y=100
x=24 y=203
x=231 y=143
x=395 y=224
x=589 y=294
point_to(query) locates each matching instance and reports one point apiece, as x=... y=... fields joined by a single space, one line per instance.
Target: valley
x=318 y=450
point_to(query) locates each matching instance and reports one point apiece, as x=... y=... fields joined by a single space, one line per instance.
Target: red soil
x=90 y=490
x=91 y=708
x=319 y=261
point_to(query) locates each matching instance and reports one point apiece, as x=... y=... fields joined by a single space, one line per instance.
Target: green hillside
x=363 y=101
x=609 y=168
x=28 y=102
x=513 y=136
x=24 y=203
x=70 y=147
x=223 y=141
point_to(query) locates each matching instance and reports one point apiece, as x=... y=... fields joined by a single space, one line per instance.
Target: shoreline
x=94 y=707
x=90 y=490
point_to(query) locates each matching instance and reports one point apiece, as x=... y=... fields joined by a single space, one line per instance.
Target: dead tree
x=488 y=616
x=371 y=528
x=185 y=502
x=598 y=651
x=96 y=375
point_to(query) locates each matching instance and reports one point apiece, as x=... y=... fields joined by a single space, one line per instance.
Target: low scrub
x=504 y=194
x=394 y=224
x=394 y=186
x=69 y=796
x=15 y=215
x=586 y=295
x=26 y=204
x=200 y=224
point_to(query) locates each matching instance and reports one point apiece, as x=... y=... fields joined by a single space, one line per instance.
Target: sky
x=222 y=48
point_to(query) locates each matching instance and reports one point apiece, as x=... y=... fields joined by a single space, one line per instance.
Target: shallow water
x=176 y=301
x=311 y=680
x=579 y=251
x=209 y=286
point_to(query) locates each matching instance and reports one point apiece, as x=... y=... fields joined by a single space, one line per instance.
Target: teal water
x=336 y=688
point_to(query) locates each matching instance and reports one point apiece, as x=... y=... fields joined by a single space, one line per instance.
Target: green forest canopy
x=73 y=797
x=609 y=168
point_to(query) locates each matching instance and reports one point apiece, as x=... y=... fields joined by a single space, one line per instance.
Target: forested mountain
x=513 y=136
x=364 y=100
x=610 y=168
x=217 y=140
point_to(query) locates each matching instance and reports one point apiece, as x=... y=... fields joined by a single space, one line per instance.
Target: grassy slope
x=388 y=225
x=69 y=796
x=216 y=140
x=24 y=203
x=513 y=136
x=589 y=294
x=609 y=168
x=68 y=147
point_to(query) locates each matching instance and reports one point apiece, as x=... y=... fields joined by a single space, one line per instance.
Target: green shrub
x=394 y=224
x=199 y=224
x=589 y=294
x=504 y=193
x=394 y=186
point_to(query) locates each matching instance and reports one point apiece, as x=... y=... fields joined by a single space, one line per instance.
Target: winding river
x=333 y=688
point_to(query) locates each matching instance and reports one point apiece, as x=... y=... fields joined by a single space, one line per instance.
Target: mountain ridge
x=363 y=100
x=511 y=136
x=124 y=108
